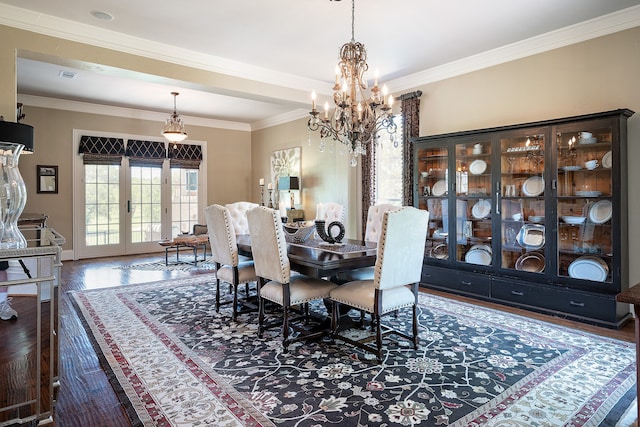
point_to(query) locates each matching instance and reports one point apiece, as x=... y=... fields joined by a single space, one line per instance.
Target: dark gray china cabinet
x=531 y=215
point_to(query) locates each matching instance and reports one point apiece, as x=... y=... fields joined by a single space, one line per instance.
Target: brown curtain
x=368 y=164
x=410 y=111
x=101 y=150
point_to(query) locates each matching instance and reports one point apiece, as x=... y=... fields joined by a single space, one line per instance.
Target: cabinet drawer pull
x=518 y=293
x=576 y=304
x=466 y=283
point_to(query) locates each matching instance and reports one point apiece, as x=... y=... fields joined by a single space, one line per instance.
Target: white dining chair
x=398 y=271
x=238 y=211
x=276 y=282
x=224 y=253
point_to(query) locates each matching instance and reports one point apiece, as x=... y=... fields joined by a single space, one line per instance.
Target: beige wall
x=228 y=155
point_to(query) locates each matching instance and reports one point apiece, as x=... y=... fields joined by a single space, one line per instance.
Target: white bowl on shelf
x=573 y=220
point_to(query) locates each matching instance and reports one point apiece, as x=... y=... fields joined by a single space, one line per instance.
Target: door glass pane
x=473 y=202
x=102 y=205
x=433 y=185
x=585 y=208
x=184 y=200
x=522 y=203
x=146 y=207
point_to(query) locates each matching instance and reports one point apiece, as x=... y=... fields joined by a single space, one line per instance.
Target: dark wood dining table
x=319 y=262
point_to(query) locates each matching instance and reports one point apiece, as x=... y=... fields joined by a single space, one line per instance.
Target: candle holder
x=270 y=201
x=262 y=195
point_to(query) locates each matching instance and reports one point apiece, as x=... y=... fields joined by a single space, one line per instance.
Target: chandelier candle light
x=356 y=118
x=173 y=128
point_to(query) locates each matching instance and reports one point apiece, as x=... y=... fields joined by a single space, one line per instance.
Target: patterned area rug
x=178 y=362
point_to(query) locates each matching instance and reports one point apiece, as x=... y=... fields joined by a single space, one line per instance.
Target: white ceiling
x=290 y=43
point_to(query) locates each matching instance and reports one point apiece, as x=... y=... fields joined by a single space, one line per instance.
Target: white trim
x=107 y=110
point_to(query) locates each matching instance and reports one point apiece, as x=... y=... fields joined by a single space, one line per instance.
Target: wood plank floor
x=85 y=397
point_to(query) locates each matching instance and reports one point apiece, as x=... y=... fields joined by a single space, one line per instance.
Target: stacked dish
x=586 y=193
x=479 y=254
x=536 y=218
x=589 y=268
x=530 y=261
x=591 y=140
x=572 y=168
x=440 y=251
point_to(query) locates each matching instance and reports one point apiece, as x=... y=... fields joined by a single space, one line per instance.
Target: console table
x=193 y=242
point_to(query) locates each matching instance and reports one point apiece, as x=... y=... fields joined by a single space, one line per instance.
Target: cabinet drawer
x=457 y=281
x=570 y=302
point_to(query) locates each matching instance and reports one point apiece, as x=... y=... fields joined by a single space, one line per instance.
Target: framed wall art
x=47 y=179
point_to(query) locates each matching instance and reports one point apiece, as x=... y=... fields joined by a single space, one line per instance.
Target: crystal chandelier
x=173 y=128
x=356 y=118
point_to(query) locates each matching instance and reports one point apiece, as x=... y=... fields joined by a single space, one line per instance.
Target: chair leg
x=415 y=326
x=260 y=311
x=217 y=295
x=285 y=330
x=235 y=302
x=335 y=319
x=378 y=336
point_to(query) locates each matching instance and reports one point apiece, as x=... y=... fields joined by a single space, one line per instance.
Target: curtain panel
x=99 y=150
x=410 y=110
x=185 y=156
x=146 y=153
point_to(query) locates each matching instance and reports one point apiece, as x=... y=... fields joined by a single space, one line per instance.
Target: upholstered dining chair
x=398 y=270
x=373 y=230
x=238 y=211
x=276 y=283
x=224 y=252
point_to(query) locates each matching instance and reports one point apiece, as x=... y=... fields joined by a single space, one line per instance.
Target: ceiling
x=292 y=44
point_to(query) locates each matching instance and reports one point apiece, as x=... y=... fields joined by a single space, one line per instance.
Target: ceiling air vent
x=67 y=74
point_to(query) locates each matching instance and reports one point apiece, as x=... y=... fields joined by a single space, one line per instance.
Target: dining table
x=316 y=258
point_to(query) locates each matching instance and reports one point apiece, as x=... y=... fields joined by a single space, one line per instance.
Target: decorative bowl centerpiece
x=298 y=232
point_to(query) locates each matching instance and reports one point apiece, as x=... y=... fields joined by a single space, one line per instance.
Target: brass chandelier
x=173 y=128
x=357 y=117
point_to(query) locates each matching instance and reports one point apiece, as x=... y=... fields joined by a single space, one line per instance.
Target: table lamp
x=289 y=183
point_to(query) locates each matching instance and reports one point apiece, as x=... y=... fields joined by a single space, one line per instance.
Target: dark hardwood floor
x=85 y=397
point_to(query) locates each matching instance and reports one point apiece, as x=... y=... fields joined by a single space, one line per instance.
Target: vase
x=13 y=196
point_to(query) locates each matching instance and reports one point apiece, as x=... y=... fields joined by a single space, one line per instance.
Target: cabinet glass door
x=432 y=188
x=473 y=202
x=522 y=202
x=585 y=208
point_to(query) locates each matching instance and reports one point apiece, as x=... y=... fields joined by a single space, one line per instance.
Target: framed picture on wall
x=47 y=179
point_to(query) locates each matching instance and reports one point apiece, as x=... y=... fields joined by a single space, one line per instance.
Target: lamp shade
x=17 y=133
x=288 y=183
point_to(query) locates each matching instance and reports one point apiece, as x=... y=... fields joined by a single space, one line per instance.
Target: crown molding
x=127 y=113
x=587 y=30
x=53 y=26
x=280 y=119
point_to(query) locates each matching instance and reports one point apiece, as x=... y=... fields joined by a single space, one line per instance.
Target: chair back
x=268 y=244
x=330 y=212
x=238 y=211
x=375 y=215
x=222 y=237
x=401 y=248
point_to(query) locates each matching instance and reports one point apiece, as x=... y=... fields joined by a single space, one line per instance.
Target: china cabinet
x=531 y=215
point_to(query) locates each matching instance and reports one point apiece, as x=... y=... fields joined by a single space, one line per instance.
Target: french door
x=123 y=209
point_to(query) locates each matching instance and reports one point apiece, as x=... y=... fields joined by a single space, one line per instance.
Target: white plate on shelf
x=600 y=212
x=439 y=188
x=589 y=268
x=533 y=186
x=481 y=209
x=440 y=251
x=606 y=160
x=479 y=254
x=478 y=167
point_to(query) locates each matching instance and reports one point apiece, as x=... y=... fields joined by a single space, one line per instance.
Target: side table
x=193 y=242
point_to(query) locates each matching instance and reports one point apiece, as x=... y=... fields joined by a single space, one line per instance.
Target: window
x=389 y=161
